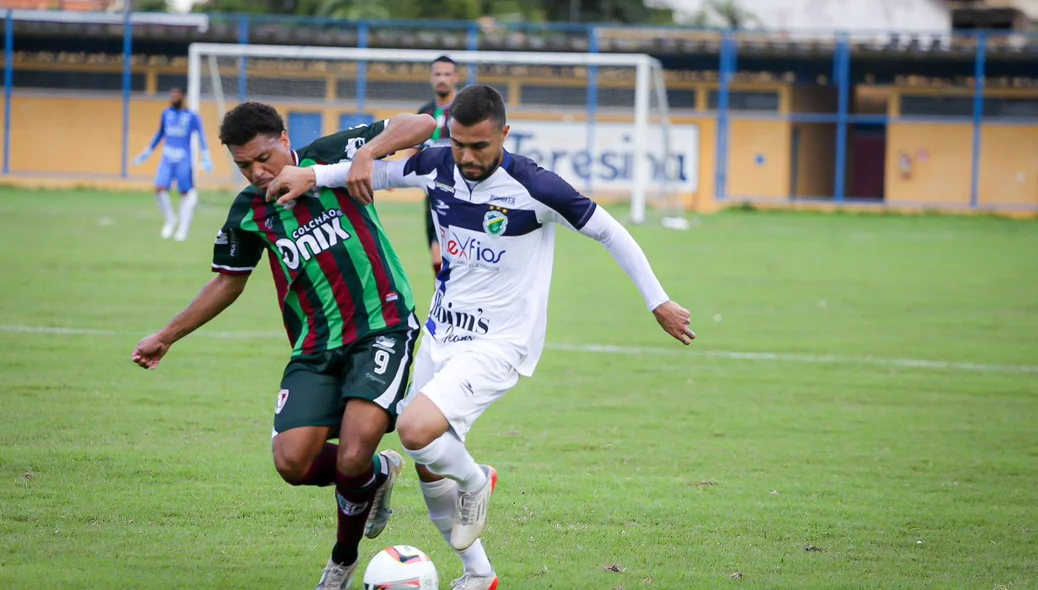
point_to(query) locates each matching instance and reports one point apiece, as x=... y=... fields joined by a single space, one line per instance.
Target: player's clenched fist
x=675 y=321
x=150 y=351
x=290 y=184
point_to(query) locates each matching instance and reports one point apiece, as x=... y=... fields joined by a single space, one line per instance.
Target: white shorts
x=463 y=384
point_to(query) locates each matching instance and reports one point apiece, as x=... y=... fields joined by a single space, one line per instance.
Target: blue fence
x=846 y=60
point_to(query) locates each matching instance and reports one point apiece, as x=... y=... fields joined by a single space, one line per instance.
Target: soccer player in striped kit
x=497 y=213
x=347 y=306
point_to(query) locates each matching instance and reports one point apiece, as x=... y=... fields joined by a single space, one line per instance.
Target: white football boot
x=470 y=512
x=470 y=582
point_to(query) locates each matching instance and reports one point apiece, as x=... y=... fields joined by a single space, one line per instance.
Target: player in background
x=348 y=310
x=497 y=212
x=176 y=126
x=443 y=78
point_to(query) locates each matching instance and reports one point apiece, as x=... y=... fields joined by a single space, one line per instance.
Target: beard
x=443 y=92
x=483 y=173
x=177 y=104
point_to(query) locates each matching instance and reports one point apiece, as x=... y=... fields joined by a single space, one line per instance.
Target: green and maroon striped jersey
x=337 y=276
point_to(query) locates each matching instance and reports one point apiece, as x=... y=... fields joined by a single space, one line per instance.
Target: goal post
x=599 y=120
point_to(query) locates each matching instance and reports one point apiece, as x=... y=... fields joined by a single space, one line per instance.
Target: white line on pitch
x=624 y=350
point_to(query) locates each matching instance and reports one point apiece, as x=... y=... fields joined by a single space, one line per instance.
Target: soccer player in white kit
x=496 y=214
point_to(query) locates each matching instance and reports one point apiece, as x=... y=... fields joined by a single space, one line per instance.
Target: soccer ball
x=401 y=567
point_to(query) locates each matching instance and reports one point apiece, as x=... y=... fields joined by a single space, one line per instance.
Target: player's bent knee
x=354 y=459
x=291 y=462
x=295 y=450
x=421 y=423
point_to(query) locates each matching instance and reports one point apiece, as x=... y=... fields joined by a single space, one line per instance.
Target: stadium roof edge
x=198 y=21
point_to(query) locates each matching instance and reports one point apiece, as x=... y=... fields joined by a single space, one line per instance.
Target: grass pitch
x=859 y=411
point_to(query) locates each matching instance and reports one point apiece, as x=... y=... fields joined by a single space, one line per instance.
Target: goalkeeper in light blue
x=176 y=126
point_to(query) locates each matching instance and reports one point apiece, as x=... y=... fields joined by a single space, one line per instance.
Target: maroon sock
x=353 y=495
x=322 y=471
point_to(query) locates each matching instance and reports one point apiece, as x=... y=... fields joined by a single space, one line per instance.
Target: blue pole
x=362 y=67
x=243 y=78
x=8 y=83
x=978 y=116
x=592 y=101
x=843 y=68
x=127 y=55
x=727 y=67
x=472 y=44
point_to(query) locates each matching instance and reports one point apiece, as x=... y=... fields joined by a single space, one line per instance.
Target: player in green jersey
x=347 y=307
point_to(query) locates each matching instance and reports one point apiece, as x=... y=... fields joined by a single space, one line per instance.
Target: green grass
x=683 y=467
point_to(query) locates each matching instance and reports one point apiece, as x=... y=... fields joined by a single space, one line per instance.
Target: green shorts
x=315 y=388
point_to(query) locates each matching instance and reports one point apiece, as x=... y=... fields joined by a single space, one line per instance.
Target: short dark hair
x=247 y=120
x=477 y=103
x=443 y=59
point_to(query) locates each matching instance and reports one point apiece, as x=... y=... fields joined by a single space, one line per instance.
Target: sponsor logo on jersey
x=312 y=238
x=443 y=187
x=452 y=321
x=472 y=252
x=505 y=200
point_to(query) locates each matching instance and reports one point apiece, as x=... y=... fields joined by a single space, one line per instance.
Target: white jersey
x=497 y=239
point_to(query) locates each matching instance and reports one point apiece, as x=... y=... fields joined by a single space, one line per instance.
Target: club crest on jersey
x=495 y=221
x=351 y=148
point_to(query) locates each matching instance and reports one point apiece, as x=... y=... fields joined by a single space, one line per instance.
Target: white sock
x=187 y=211
x=447 y=456
x=440 y=497
x=166 y=206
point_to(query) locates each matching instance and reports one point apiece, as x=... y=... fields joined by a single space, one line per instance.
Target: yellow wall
x=1008 y=165
x=942 y=163
x=57 y=135
x=940 y=157
x=81 y=135
x=747 y=140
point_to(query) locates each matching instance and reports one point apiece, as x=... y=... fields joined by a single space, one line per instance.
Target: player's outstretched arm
x=402 y=132
x=216 y=296
x=673 y=318
x=294 y=182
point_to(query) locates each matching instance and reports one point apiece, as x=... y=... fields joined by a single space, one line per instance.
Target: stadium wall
x=93 y=126
x=763 y=159
x=780 y=140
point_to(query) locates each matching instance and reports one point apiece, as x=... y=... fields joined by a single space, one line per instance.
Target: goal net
x=600 y=121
